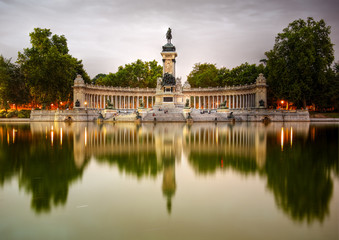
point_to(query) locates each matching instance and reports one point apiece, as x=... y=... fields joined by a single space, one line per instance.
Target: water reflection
x=297 y=161
x=43 y=169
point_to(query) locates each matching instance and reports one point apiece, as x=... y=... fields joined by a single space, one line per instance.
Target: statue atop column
x=169 y=35
x=168 y=47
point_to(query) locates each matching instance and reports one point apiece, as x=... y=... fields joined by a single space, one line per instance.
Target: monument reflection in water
x=297 y=162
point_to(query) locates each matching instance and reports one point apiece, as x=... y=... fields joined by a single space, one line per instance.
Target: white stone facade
x=237 y=97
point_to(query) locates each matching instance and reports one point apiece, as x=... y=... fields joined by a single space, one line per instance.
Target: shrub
x=10 y=114
x=24 y=113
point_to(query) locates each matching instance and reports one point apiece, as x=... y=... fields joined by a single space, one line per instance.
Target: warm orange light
x=51 y=104
x=291 y=136
x=60 y=136
x=282 y=139
x=60 y=103
x=85 y=136
x=282 y=101
x=85 y=103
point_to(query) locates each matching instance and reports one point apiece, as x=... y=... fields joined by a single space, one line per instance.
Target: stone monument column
x=168 y=55
x=168 y=59
x=166 y=89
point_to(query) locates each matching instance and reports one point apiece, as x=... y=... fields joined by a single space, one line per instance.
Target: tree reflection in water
x=43 y=170
x=299 y=174
x=298 y=161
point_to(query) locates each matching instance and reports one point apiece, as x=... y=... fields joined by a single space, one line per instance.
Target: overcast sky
x=106 y=34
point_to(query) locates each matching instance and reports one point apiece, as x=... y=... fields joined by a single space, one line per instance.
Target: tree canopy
x=300 y=62
x=48 y=68
x=208 y=75
x=137 y=74
x=12 y=84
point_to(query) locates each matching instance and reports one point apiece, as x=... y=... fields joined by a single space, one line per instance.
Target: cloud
x=107 y=34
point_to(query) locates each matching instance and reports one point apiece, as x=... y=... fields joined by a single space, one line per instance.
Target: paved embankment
x=324 y=119
x=10 y=120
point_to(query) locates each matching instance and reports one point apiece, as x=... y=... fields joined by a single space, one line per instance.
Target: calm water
x=169 y=181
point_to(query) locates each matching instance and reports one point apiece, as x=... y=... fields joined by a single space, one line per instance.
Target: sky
x=106 y=34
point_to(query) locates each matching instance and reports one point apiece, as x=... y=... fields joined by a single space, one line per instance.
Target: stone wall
x=76 y=115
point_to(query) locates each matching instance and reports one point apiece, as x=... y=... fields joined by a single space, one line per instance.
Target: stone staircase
x=122 y=117
x=208 y=117
x=166 y=115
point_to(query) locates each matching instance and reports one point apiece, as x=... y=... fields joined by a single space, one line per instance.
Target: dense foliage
x=12 y=85
x=48 y=68
x=208 y=75
x=299 y=64
x=335 y=88
x=137 y=74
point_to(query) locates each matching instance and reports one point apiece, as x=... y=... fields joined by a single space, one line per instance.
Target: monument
x=169 y=88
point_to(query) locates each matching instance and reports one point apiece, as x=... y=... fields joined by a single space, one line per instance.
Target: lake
x=169 y=181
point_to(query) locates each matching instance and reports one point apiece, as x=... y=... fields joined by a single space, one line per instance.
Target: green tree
x=300 y=62
x=335 y=87
x=204 y=75
x=245 y=74
x=137 y=74
x=48 y=68
x=208 y=75
x=12 y=85
x=97 y=77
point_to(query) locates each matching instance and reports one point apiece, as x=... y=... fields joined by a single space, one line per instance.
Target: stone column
x=232 y=101
x=252 y=100
x=199 y=102
x=240 y=101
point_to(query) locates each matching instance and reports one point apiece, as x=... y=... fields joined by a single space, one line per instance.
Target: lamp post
x=85 y=105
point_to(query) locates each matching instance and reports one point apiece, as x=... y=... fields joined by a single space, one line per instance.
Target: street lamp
x=85 y=105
